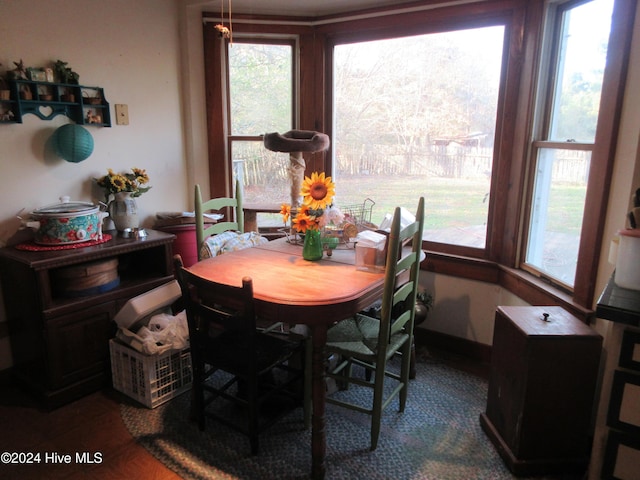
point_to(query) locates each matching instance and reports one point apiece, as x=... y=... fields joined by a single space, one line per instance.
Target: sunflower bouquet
x=317 y=209
x=133 y=182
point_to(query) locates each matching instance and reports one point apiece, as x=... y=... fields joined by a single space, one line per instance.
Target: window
x=261 y=99
x=261 y=87
x=416 y=116
x=250 y=91
x=514 y=162
x=569 y=104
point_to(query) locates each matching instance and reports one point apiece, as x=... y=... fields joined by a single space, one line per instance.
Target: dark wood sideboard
x=60 y=343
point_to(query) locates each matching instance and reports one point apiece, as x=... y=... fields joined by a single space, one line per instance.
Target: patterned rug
x=438 y=437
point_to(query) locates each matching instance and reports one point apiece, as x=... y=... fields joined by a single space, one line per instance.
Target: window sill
x=526 y=286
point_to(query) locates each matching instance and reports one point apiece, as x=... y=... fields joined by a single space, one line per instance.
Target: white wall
x=132 y=50
x=464 y=308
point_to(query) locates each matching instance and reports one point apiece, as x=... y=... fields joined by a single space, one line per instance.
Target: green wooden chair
x=233 y=207
x=234 y=221
x=371 y=342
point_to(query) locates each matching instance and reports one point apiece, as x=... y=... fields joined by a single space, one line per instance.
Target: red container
x=185 y=242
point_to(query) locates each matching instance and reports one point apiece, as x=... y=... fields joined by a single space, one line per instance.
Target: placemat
x=35 y=247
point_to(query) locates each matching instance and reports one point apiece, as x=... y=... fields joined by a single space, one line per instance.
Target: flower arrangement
x=133 y=182
x=317 y=210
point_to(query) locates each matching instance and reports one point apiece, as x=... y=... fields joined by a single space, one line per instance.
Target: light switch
x=122 y=114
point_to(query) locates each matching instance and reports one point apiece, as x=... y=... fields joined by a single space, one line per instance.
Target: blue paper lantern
x=73 y=143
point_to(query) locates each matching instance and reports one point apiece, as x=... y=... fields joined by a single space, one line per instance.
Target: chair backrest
x=233 y=210
x=213 y=308
x=401 y=278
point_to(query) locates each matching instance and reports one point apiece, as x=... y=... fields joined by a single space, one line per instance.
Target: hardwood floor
x=91 y=425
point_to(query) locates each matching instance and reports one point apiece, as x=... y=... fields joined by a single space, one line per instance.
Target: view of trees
x=419 y=113
x=415 y=101
x=420 y=106
x=261 y=88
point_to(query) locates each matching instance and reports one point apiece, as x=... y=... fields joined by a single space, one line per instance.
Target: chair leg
x=347 y=372
x=197 y=398
x=405 y=368
x=254 y=411
x=376 y=413
x=197 y=409
x=412 y=364
x=367 y=374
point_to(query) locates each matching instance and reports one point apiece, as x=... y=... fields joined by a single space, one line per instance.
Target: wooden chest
x=541 y=389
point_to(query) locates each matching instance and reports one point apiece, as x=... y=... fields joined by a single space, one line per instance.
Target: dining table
x=290 y=289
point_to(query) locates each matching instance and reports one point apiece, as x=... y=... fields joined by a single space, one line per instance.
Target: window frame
x=541 y=131
x=500 y=262
x=442 y=22
x=218 y=102
x=287 y=40
x=602 y=149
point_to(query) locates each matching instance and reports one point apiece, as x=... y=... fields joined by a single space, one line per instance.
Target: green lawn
x=448 y=202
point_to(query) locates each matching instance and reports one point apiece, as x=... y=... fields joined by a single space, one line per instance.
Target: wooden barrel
x=87 y=278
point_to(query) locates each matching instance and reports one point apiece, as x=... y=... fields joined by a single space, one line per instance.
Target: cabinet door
x=78 y=344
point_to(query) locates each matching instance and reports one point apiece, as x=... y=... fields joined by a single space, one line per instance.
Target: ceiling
x=306 y=8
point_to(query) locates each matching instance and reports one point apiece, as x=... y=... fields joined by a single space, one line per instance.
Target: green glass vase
x=312 y=248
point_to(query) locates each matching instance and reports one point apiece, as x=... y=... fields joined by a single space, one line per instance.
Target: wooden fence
x=259 y=166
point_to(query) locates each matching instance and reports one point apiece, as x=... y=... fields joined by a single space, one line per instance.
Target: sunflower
x=140 y=175
x=318 y=191
x=304 y=222
x=132 y=182
x=119 y=182
x=304 y=209
x=285 y=211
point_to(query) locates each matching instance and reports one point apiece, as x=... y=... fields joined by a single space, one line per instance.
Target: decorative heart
x=45 y=111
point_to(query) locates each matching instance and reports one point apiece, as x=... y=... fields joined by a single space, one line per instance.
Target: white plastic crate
x=150 y=379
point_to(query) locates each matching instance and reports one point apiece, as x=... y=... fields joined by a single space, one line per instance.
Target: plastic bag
x=406 y=218
x=163 y=332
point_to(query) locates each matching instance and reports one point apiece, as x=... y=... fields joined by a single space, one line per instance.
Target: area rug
x=438 y=437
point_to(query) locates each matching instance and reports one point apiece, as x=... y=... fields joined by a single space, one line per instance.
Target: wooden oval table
x=289 y=289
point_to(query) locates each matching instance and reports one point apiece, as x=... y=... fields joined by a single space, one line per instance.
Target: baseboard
x=460 y=346
x=463 y=347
